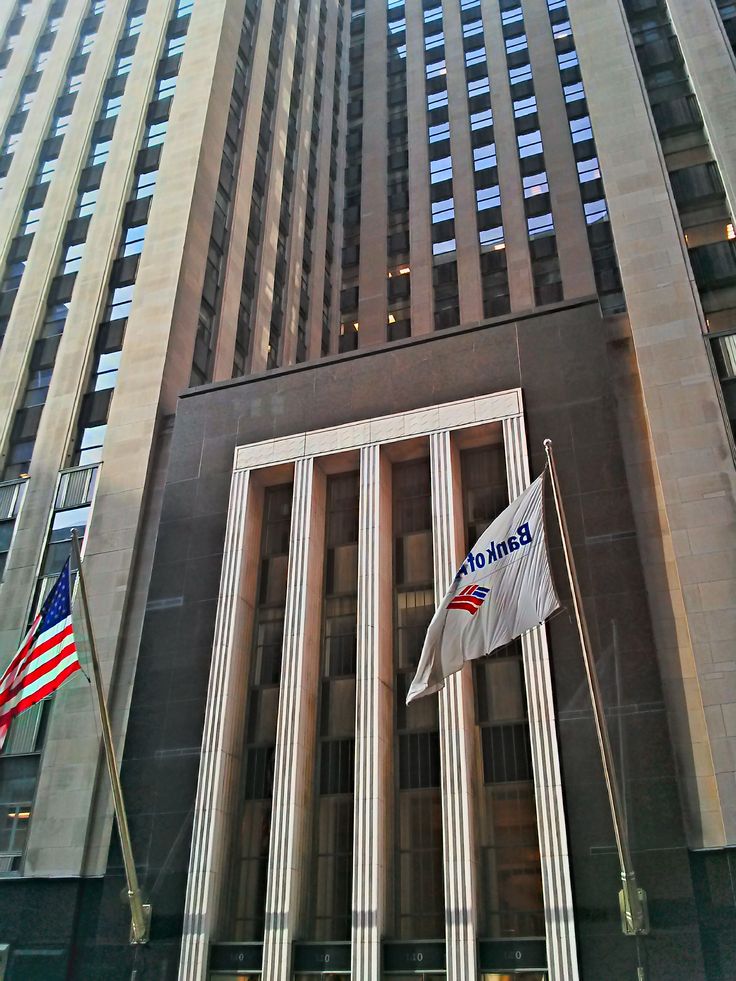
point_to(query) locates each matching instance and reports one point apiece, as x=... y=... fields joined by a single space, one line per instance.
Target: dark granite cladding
x=561 y=361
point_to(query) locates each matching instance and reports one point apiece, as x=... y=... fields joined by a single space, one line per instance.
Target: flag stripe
x=28 y=683
x=45 y=659
x=47 y=689
x=38 y=655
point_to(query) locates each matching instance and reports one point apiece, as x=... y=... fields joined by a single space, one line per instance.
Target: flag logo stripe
x=469 y=599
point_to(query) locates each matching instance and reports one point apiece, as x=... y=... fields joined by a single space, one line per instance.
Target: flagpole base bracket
x=634 y=914
x=146 y=935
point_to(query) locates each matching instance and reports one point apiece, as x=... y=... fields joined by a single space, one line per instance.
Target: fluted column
x=295 y=731
x=222 y=739
x=551 y=826
x=374 y=724
x=456 y=730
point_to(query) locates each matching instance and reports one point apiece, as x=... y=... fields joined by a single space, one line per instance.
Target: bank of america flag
x=45 y=659
x=503 y=588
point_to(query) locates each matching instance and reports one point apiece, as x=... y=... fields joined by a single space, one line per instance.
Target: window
x=41 y=60
x=99 y=152
x=484 y=157
x=25 y=101
x=436 y=100
x=535 y=184
x=478 y=86
x=440 y=170
x=85 y=44
x=11 y=142
x=133 y=242
x=580 y=129
x=175 y=45
x=111 y=106
x=540 y=225
x=516 y=43
x=165 y=87
x=120 y=302
x=30 y=220
x=106 y=374
x=524 y=107
x=529 y=143
x=436 y=68
x=155 y=133
x=432 y=40
x=481 y=120
x=135 y=23
x=55 y=319
x=574 y=92
x=491 y=236
x=184 y=7
x=74 y=83
x=45 y=170
x=439 y=132
x=473 y=28
x=588 y=170
x=443 y=210
x=13 y=274
x=123 y=64
x=595 y=211
x=521 y=74
x=488 y=197
x=61 y=124
x=475 y=57
x=145 y=184
x=568 y=59
x=72 y=259
x=86 y=202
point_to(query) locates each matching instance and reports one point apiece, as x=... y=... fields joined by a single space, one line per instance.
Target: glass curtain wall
x=510 y=881
x=418 y=881
x=330 y=890
x=251 y=845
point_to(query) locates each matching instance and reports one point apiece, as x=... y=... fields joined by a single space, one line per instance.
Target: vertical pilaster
x=273 y=195
x=373 y=214
x=551 y=825
x=456 y=730
x=463 y=184
x=296 y=720
x=373 y=732
x=215 y=806
x=710 y=65
x=422 y=319
x=516 y=237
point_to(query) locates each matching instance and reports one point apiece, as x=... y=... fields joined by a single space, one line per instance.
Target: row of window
x=32 y=79
x=695 y=178
x=275 y=333
x=95 y=407
x=303 y=311
x=349 y=295
x=600 y=237
x=28 y=414
x=209 y=311
x=254 y=240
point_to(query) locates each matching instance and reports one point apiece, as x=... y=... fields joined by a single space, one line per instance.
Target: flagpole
x=139 y=911
x=632 y=899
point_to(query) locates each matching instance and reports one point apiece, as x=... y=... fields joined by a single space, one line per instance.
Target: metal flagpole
x=632 y=899
x=140 y=912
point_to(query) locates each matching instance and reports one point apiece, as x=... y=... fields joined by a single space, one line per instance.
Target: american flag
x=46 y=658
x=469 y=599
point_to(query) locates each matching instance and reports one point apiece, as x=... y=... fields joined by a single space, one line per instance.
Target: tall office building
x=290 y=293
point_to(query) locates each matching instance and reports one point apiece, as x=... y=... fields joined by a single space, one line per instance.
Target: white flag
x=503 y=588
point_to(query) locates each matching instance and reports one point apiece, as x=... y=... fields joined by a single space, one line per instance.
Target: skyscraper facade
x=290 y=293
